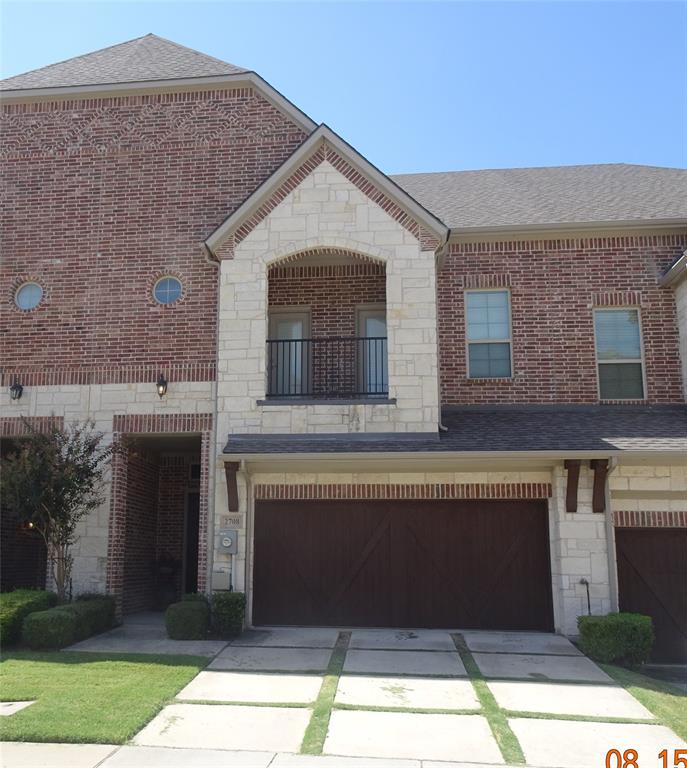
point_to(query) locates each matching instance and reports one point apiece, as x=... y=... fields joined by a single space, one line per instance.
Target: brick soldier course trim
x=404 y=491
x=162 y=422
x=661 y=519
x=183 y=372
x=16 y=426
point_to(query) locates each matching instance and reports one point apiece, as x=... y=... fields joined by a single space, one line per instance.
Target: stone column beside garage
x=579 y=549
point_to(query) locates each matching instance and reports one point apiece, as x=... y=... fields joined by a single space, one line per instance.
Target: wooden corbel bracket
x=600 y=467
x=230 y=470
x=573 y=468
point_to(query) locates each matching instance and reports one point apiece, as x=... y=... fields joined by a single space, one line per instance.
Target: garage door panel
x=652 y=579
x=403 y=563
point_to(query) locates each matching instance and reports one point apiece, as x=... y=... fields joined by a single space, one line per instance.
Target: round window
x=28 y=296
x=167 y=290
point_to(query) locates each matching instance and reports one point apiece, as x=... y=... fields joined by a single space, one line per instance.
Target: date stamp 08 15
x=629 y=758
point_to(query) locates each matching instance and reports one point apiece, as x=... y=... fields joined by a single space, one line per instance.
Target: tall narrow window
x=488 y=334
x=619 y=354
x=373 y=373
x=289 y=349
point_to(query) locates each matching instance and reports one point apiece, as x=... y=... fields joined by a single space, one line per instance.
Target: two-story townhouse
x=431 y=400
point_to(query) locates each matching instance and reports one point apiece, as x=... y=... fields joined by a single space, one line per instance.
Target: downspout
x=248 y=559
x=610 y=539
x=438 y=264
x=212 y=459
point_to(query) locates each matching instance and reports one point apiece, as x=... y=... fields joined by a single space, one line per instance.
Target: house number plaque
x=232 y=521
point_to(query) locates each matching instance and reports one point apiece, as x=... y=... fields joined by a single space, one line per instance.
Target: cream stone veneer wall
x=327 y=210
x=650 y=487
x=681 y=302
x=100 y=403
x=579 y=549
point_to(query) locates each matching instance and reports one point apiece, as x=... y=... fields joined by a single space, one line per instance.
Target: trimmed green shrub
x=16 y=606
x=190 y=597
x=618 y=638
x=94 y=614
x=228 y=613
x=52 y=629
x=187 y=620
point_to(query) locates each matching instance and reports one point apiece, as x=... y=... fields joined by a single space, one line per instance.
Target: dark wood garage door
x=652 y=579
x=468 y=564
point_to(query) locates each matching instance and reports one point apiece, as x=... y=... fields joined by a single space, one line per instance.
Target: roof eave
x=210 y=82
x=319 y=136
x=429 y=456
x=569 y=227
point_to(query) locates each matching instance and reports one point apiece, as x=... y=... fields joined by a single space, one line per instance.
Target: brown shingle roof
x=559 y=195
x=145 y=58
x=608 y=429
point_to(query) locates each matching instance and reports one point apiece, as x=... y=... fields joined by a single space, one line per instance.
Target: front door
x=372 y=353
x=289 y=354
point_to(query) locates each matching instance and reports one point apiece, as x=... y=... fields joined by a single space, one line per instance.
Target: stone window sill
x=491 y=380
x=296 y=401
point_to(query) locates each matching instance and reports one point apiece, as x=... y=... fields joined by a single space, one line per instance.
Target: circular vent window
x=167 y=290
x=28 y=296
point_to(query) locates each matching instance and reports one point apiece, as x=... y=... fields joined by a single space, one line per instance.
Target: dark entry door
x=469 y=564
x=652 y=579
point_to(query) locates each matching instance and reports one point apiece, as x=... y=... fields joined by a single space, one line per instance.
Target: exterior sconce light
x=161 y=385
x=16 y=390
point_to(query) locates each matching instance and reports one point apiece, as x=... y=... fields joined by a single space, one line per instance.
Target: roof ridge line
x=543 y=168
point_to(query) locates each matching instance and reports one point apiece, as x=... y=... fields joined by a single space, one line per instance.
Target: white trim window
x=619 y=354
x=488 y=334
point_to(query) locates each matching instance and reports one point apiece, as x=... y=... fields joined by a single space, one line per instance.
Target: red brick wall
x=103 y=197
x=331 y=292
x=554 y=285
x=140 y=533
x=174 y=486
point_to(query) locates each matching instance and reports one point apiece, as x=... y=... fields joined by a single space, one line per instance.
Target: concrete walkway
x=384 y=699
x=146 y=633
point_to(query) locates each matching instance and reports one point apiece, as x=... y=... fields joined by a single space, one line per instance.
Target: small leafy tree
x=51 y=481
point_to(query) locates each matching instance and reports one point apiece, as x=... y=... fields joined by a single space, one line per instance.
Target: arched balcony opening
x=327 y=327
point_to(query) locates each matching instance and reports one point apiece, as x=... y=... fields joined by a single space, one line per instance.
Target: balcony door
x=289 y=353
x=373 y=351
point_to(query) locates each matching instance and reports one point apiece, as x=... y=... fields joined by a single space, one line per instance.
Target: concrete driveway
x=321 y=698
x=416 y=697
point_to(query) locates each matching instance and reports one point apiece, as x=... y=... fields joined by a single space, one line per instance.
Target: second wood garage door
x=466 y=564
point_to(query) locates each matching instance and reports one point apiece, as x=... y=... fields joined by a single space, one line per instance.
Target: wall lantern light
x=161 y=385
x=16 y=390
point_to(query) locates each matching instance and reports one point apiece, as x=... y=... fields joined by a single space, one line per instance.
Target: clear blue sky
x=425 y=86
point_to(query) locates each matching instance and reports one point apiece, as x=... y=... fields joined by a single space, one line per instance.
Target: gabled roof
x=322 y=135
x=538 y=198
x=140 y=60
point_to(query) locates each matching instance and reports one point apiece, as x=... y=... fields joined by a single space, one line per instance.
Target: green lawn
x=666 y=702
x=87 y=697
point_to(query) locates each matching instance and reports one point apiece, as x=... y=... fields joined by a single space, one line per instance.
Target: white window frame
x=508 y=341
x=274 y=314
x=362 y=311
x=640 y=359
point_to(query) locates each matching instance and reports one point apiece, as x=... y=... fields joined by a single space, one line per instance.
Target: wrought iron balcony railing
x=336 y=367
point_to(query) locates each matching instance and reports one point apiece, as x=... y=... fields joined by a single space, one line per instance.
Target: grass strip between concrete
x=316 y=732
x=665 y=701
x=496 y=717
